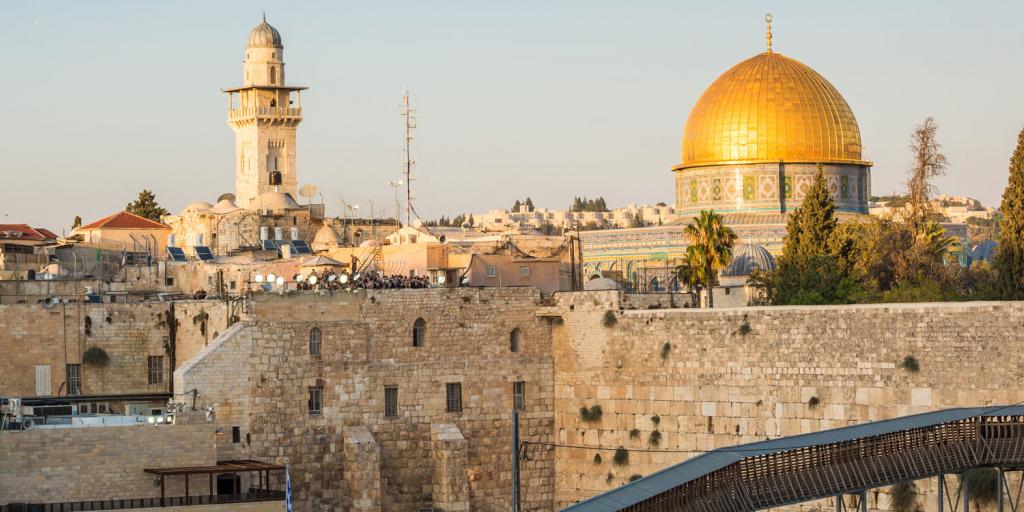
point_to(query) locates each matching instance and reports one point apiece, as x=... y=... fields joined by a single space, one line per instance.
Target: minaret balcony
x=264 y=113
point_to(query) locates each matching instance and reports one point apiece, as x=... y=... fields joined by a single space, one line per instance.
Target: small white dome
x=273 y=201
x=327 y=236
x=601 y=283
x=198 y=206
x=264 y=36
x=224 y=206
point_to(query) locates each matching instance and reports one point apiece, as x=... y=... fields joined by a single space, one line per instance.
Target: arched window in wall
x=515 y=340
x=315 y=337
x=419 y=332
x=273 y=75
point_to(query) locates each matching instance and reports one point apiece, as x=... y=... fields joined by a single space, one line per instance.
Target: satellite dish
x=465 y=281
x=307 y=191
x=442 y=239
x=300 y=278
x=312 y=279
x=259 y=278
x=440 y=279
x=342 y=278
x=271 y=278
x=229 y=196
x=280 y=280
x=355 y=277
x=331 y=278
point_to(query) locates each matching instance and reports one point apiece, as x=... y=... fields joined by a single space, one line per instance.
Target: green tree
x=692 y=277
x=1009 y=260
x=77 y=223
x=529 y=204
x=146 y=206
x=516 y=206
x=710 y=249
x=817 y=256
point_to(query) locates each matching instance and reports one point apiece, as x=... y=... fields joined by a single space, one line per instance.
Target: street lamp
x=398 y=207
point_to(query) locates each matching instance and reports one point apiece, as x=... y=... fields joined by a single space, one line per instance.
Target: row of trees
x=583 y=204
x=905 y=257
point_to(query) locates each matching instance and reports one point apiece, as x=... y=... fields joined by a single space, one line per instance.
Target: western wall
x=701 y=379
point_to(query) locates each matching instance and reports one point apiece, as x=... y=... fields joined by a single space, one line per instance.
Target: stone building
x=18 y=259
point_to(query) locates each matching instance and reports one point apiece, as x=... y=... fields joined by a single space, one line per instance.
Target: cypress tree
x=810 y=228
x=1009 y=261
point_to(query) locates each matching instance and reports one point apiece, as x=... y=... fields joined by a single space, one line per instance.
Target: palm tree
x=692 y=277
x=710 y=248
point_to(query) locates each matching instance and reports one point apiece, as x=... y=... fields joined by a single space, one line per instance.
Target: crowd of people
x=328 y=279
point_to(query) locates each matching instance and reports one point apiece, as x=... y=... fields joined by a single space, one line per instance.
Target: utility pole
x=410 y=122
x=398 y=205
x=516 y=503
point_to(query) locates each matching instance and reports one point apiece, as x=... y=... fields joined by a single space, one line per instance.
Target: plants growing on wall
x=96 y=356
x=903 y=497
x=597 y=458
x=634 y=434
x=591 y=414
x=656 y=420
x=910 y=364
x=621 y=457
x=813 y=402
x=654 y=439
x=983 y=485
x=609 y=319
x=665 y=349
x=634 y=477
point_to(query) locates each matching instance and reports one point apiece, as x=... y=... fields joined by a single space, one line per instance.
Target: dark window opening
x=316 y=400
x=516 y=340
x=390 y=401
x=519 y=395
x=74 y=379
x=453 y=402
x=275 y=177
x=236 y=434
x=419 y=332
x=314 y=341
x=155 y=366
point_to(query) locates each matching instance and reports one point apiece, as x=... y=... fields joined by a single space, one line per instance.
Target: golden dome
x=770 y=108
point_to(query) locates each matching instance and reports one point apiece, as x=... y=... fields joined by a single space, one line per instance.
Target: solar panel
x=204 y=253
x=301 y=247
x=176 y=254
x=268 y=245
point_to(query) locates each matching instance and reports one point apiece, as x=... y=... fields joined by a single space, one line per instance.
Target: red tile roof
x=125 y=220
x=24 y=232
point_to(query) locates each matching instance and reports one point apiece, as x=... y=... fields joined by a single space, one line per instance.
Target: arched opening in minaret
x=273 y=103
x=273 y=75
x=275 y=178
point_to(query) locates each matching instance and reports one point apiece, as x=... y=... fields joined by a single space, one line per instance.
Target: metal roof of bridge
x=706 y=463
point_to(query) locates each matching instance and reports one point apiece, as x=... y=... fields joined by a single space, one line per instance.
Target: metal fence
x=254 y=495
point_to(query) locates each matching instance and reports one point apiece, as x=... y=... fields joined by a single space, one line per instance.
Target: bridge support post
x=965 y=492
x=864 y=501
x=839 y=503
x=942 y=489
x=1001 y=482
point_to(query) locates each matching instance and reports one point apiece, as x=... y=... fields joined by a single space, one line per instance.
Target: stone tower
x=264 y=113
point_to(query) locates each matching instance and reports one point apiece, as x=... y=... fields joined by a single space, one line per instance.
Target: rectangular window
x=492 y=271
x=156 y=369
x=236 y=435
x=233 y=285
x=42 y=380
x=453 y=403
x=390 y=401
x=519 y=395
x=316 y=400
x=524 y=271
x=74 y=379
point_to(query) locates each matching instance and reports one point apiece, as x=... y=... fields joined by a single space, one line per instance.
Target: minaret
x=264 y=113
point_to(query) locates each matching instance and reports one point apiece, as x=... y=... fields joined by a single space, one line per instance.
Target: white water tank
x=171 y=240
x=294 y=233
x=278 y=233
x=264 y=233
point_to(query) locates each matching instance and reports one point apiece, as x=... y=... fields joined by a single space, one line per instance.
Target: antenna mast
x=409 y=114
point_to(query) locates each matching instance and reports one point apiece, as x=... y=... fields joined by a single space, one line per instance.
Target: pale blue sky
x=540 y=98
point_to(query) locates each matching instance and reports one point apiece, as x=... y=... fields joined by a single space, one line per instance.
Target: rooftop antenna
x=768 y=32
x=409 y=115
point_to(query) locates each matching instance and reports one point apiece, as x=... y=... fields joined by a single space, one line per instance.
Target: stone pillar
x=451 y=481
x=362 y=469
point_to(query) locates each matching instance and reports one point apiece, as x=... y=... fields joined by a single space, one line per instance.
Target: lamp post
x=398 y=206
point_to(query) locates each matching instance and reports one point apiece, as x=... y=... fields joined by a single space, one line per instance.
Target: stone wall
x=706 y=379
x=259 y=374
x=77 y=464
x=55 y=336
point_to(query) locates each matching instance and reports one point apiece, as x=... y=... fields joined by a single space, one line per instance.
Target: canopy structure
x=829 y=463
x=262 y=469
x=322 y=261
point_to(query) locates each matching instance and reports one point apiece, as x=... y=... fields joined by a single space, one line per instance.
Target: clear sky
x=548 y=99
